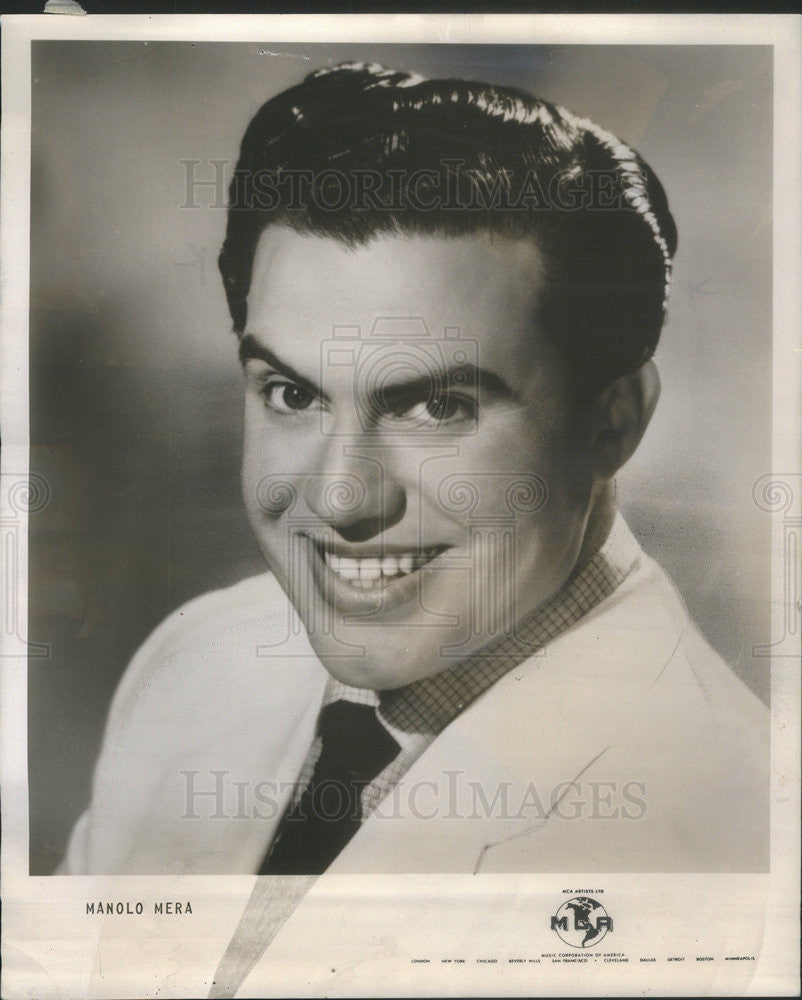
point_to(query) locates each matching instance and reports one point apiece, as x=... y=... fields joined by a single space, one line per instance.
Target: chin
x=365 y=673
x=384 y=665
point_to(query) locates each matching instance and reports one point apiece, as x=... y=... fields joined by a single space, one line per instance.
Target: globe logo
x=581 y=922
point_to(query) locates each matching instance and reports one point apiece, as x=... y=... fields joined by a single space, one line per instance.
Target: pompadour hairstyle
x=357 y=150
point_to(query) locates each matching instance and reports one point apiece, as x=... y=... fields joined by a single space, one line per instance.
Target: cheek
x=267 y=489
x=534 y=472
x=518 y=443
x=269 y=453
x=555 y=443
x=253 y=434
x=253 y=461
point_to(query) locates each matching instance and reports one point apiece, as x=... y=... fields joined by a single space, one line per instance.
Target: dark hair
x=358 y=150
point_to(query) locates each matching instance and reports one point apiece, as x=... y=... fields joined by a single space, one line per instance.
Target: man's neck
x=600 y=520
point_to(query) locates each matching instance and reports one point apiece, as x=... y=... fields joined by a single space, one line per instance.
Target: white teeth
x=389 y=566
x=370 y=569
x=349 y=568
x=368 y=574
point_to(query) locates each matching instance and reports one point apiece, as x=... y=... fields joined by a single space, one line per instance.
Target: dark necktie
x=355 y=747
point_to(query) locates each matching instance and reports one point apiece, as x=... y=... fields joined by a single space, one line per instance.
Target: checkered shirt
x=414 y=715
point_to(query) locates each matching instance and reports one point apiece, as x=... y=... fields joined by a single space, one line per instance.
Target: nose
x=354 y=491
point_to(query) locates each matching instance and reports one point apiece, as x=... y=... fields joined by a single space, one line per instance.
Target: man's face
x=414 y=469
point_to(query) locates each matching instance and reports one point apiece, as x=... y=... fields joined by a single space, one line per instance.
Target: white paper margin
x=47 y=955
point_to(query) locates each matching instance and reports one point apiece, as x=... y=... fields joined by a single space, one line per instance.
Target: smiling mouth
x=376 y=572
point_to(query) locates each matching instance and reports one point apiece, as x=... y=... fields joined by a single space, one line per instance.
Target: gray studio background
x=135 y=389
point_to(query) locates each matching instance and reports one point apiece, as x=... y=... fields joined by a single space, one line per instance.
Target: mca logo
x=581 y=922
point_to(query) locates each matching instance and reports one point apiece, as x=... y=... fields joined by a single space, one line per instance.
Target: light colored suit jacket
x=626 y=745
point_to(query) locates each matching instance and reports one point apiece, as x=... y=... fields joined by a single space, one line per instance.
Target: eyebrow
x=250 y=347
x=451 y=376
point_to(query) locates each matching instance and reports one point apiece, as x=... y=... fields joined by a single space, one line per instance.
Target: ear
x=625 y=408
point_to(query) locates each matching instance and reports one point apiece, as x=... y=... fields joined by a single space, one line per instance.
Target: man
x=447 y=296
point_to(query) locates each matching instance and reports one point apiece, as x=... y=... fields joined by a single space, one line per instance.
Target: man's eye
x=444 y=408
x=287 y=397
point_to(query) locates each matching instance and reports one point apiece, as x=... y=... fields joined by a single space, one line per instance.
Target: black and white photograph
x=402 y=512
